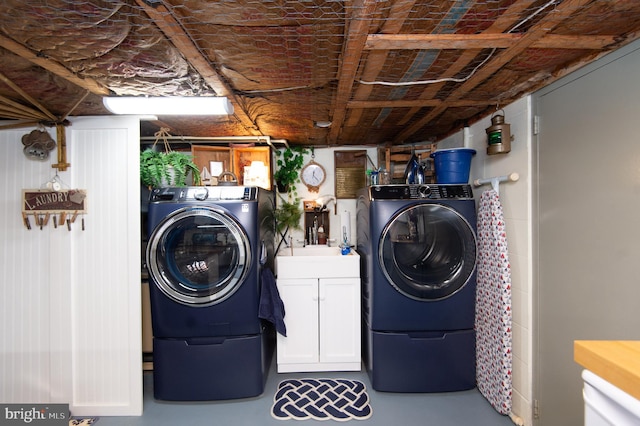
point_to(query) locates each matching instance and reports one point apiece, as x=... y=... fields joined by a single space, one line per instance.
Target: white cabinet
x=606 y=404
x=323 y=324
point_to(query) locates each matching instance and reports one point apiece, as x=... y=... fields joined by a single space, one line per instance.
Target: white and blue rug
x=321 y=399
x=79 y=421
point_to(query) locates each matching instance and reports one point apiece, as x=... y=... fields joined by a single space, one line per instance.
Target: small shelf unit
x=395 y=159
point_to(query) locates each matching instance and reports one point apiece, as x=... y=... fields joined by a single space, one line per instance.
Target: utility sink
x=317 y=261
x=312 y=250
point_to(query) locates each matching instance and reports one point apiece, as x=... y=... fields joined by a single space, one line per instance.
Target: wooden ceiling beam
x=52 y=66
x=500 y=25
x=398 y=14
x=482 y=41
x=26 y=96
x=172 y=29
x=545 y=25
x=18 y=108
x=357 y=32
x=19 y=124
x=415 y=103
x=8 y=112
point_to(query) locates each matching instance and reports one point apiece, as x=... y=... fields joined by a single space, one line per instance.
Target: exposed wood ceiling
x=383 y=72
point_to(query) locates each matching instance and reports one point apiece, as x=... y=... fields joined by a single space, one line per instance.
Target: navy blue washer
x=203 y=257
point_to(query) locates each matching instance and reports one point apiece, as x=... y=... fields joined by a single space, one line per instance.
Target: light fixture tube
x=169 y=105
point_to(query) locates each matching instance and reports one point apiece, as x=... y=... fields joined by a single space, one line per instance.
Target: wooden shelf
x=233 y=159
x=395 y=159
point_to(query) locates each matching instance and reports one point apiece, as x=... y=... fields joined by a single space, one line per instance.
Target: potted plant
x=167 y=168
x=288 y=215
x=289 y=163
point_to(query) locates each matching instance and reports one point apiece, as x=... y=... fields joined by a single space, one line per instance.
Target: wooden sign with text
x=48 y=201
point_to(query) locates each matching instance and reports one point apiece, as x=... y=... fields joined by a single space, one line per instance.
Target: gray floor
x=440 y=409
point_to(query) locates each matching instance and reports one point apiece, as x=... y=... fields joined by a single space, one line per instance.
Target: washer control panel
x=418 y=192
x=205 y=193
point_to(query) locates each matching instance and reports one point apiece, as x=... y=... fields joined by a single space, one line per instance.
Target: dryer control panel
x=420 y=192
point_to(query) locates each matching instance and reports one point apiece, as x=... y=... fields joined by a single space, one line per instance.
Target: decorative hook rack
x=495 y=181
x=61 y=205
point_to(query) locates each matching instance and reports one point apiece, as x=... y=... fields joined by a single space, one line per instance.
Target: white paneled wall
x=516 y=202
x=24 y=288
x=70 y=305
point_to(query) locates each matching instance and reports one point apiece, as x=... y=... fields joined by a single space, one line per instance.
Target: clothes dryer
x=418 y=248
x=206 y=248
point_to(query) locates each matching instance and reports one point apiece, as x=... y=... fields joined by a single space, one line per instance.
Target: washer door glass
x=198 y=256
x=428 y=251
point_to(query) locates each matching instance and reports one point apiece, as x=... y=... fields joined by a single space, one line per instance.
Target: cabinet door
x=339 y=319
x=300 y=297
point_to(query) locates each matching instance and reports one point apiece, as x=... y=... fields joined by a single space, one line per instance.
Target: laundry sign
x=63 y=205
x=44 y=200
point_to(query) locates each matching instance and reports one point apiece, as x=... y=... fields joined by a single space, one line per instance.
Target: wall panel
x=70 y=300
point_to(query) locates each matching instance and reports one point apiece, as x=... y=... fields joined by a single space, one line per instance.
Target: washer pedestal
x=211 y=368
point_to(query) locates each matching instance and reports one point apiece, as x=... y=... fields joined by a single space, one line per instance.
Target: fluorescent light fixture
x=169 y=105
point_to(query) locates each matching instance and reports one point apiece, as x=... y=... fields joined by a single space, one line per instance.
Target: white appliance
x=606 y=404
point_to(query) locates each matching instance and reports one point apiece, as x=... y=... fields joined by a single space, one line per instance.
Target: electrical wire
x=439 y=80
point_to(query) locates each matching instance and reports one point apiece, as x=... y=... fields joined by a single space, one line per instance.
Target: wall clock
x=313 y=175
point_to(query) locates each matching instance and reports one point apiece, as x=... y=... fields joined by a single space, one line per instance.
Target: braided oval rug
x=321 y=399
x=79 y=421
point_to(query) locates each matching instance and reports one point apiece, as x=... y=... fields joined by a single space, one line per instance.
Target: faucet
x=315 y=230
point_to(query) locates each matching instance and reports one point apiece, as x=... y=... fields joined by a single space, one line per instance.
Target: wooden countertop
x=616 y=361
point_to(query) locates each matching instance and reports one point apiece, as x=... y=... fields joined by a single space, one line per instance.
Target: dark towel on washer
x=271 y=306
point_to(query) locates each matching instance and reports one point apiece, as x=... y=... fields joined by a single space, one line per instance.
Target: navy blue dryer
x=418 y=248
x=204 y=258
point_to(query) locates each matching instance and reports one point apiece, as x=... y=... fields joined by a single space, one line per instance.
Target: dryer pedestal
x=420 y=361
x=212 y=368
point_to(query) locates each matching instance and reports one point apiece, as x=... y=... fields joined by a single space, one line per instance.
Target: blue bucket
x=453 y=165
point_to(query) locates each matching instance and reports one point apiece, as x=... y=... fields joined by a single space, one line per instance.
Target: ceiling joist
x=383 y=72
x=545 y=25
x=481 y=41
x=419 y=103
x=363 y=12
x=501 y=24
x=172 y=29
x=52 y=66
x=373 y=66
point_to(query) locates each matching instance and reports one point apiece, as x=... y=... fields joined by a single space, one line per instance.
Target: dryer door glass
x=198 y=256
x=428 y=251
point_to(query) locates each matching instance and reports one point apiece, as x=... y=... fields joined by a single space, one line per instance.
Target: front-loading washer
x=418 y=249
x=204 y=255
